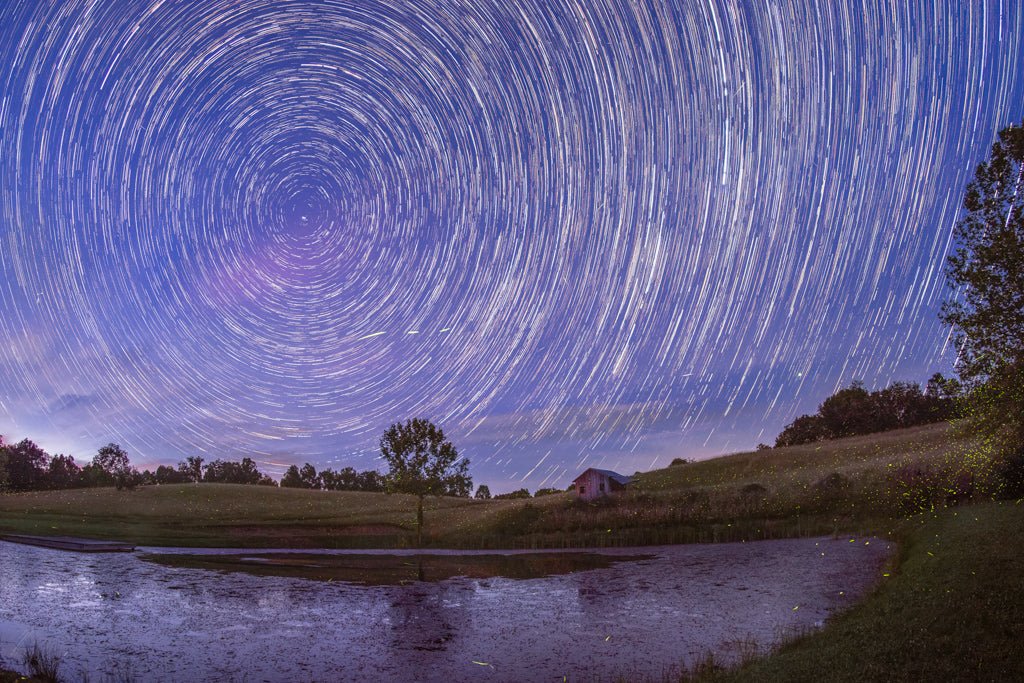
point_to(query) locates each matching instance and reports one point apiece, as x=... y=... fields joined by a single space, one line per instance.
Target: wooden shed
x=595 y=483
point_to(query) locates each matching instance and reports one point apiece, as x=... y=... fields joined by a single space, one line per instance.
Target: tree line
x=854 y=411
x=25 y=466
x=346 y=479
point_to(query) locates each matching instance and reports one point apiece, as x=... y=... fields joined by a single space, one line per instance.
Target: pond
x=642 y=613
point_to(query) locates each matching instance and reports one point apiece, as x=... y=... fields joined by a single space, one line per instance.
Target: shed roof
x=621 y=478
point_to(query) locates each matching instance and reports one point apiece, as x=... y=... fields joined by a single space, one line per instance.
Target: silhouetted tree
x=804 y=429
x=422 y=462
x=114 y=461
x=483 y=492
x=848 y=412
x=370 y=481
x=307 y=475
x=231 y=472
x=93 y=476
x=985 y=273
x=64 y=472
x=169 y=475
x=545 y=492
x=192 y=468
x=291 y=478
x=27 y=466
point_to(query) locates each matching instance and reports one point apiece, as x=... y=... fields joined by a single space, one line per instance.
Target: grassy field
x=859 y=485
x=206 y=515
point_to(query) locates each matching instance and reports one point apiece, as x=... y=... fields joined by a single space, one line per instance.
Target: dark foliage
x=483 y=492
x=27 y=466
x=1010 y=470
x=113 y=460
x=169 y=475
x=854 y=410
x=192 y=468
x=347 y=479
x=63 y=472
x=985 y=273
x=520 y=493
x=292 y=479
x=228 y=472
x=546 y=492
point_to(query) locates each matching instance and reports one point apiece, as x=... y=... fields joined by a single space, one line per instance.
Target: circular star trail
x=602 y=233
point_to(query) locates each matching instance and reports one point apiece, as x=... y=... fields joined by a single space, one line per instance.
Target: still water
x=117 y=616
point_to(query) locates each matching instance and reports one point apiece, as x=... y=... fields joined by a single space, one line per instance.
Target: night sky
x=597 y=233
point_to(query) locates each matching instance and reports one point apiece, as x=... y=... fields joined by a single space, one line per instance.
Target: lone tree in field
x=423 y=463
x=986 y=273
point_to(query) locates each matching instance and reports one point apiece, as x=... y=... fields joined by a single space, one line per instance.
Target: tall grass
x=42 y=664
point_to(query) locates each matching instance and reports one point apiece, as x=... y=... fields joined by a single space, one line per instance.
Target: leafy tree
x=230 y=472
x=192 y=468
x=64 y=472
x=371 y=481
x=848 y=412
x=291 y=478
x=114 y=461
x=27 y=466
x=94 y=476
x=483 y=492
x=307 y=475
x=422 y=462
x=169 y=475
x=986 y=275
x=804 y=429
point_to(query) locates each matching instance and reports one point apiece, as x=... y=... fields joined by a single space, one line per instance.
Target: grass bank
x=861 y=485
x=952 y=609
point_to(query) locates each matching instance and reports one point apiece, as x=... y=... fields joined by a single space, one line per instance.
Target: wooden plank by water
x=82 y=545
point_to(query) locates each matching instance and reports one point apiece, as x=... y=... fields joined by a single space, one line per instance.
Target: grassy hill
x=861 y=484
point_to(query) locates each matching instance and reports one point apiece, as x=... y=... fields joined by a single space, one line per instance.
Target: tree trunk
x=419 y=523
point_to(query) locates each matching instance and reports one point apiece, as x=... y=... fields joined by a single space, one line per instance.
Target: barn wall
x=591 y=481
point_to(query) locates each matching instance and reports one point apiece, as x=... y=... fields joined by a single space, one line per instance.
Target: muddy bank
x=118 y=614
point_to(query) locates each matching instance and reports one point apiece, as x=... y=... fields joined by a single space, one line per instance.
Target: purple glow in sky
x=605 y=233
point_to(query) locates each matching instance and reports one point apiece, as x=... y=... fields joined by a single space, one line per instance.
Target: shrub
x=678 y=461
x=753 y=490
x=521 y=493
x=833 y=483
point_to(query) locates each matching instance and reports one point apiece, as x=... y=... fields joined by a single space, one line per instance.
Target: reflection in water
x=120 y=616
x=395 y=570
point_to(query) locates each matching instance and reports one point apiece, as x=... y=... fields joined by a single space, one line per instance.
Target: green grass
x=858 y=485
x=952 y=609
x=208 y=515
